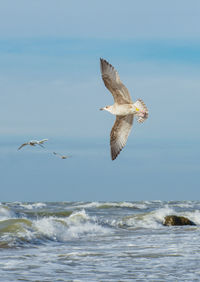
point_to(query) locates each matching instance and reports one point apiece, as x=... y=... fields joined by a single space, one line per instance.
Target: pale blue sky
x=51 y=87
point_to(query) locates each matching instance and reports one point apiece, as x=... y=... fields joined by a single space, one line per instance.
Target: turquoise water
x=98 y=241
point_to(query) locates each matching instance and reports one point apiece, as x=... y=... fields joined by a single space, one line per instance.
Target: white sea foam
x=77 y=217
x=156 y=218
x=33 y=206
x=114 y=205
x=74 y=226
x=11 y=264
x=192 y=215
x=89 y=205
x=50 y=228
x=127 y=205
x=187 y=204
x=152 y=219
x=160 y=214
x=6 y=213
x=141 y=249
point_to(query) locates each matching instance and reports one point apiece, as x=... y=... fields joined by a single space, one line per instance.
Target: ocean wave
x=188 y=204
x=21 y=231
x=14 y=225
x=6 y=212
x=46 y=213
x=15 y=232
x=153 y=219
x=107 y=205
x=74 y=226
x=30 y=206
x=21 y=226
x=192 y=215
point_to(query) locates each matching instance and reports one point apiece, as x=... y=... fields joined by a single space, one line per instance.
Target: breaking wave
x=19 y=231
x=5 y=213
x=32 y=206
x=107 y=205
x=22 y=224
x=155 y=219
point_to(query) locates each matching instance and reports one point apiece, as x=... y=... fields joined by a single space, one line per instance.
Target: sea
x=98 y=241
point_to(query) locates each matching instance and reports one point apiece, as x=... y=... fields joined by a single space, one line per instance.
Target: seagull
x=33 y=143
x=123 y=108
x=61 y=156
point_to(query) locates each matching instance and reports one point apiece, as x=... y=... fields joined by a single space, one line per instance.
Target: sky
x=51 y=87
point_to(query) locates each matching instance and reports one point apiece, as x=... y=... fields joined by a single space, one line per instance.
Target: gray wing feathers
x=119 y=134
x=22 y=146
x=112 y=81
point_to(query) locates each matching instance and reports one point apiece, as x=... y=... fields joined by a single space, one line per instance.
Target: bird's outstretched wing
x=42 y=141
x=112 y=81
x=119 y=134
x=41 y=145
x=61 y=156
x=22 y=145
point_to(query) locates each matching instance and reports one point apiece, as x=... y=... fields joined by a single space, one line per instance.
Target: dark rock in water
x=173 y=220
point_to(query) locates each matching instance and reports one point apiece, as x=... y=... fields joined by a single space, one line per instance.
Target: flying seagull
x=61 y=156
x=33 y=143
x=123 y=108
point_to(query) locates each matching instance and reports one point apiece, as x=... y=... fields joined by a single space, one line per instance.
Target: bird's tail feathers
x=143 y=111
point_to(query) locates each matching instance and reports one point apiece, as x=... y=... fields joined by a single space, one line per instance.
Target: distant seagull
x=123 y=108
x=33 y=143
x=61 y=156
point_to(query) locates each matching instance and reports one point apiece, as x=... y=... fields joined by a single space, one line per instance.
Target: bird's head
x=106 y=108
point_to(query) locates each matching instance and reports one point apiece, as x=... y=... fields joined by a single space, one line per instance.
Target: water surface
x=98 y=241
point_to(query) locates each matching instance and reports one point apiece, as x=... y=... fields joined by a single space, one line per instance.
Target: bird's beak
x=101 y=109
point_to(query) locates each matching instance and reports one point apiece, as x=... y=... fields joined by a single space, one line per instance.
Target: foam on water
x=104 y=205
x=78 y=217
x=33 y=206
x=155 y=219
x=50 y=228
x=79 y=224
x=60 y=229
x=188 y=204
x=76 y=225
x=68 y=222
x=90 y=242
x=152 y=219
x=6 y=213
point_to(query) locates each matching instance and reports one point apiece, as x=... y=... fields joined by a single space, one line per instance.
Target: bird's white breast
x=123 y=110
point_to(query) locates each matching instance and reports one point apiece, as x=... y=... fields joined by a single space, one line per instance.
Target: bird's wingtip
x=102 y=60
